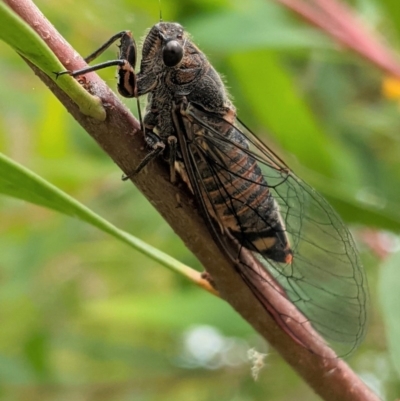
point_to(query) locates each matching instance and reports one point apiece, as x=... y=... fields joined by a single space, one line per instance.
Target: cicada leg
x=125 y=63
x=157 y=147
x=172 y=142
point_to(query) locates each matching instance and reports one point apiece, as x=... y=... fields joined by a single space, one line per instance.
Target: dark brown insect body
x=245 y=192
x=236 y=193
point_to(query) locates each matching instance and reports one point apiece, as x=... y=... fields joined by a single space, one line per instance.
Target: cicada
x=245 y=192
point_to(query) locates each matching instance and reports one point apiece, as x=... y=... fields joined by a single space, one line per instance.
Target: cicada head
x=169 y=56
x=164 y=45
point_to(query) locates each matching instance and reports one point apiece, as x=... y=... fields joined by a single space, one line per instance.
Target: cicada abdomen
x=236 y=192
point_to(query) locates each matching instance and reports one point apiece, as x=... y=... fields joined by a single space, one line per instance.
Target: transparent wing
x=325 y=279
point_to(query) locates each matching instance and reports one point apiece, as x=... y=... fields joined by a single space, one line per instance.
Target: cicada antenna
x=159 y=2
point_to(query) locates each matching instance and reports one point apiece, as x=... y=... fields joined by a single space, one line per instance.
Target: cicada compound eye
x=172 y=53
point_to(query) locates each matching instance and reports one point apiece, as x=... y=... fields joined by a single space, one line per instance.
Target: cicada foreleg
x=125 y=63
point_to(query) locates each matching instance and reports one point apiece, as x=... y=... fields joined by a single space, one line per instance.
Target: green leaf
x=260 y=25
x=272 y=97
x=354 y=205
x=393 y=12
x=24 y=40
x=36 y=350
x=18 y=182
x=390 y=304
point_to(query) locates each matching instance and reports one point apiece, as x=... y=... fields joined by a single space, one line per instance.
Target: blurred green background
x=85 y=317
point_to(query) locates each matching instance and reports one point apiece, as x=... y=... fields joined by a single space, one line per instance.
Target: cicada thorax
x=236 y=193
